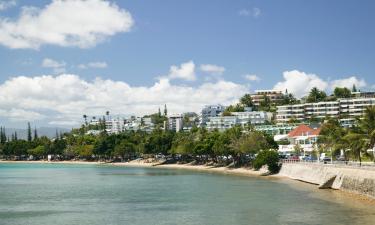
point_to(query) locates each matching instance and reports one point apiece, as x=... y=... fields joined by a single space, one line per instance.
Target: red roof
x=303 y=130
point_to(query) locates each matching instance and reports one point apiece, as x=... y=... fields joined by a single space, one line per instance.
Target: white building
x=345 y=109
x=175 y=122
x=303 y=136
x=210 y=111
x=238 y=118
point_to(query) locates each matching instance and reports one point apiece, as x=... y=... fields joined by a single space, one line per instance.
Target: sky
x=61 y=59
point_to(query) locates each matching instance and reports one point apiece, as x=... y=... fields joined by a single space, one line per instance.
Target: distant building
x=238 y=118
x=345 y=109
x=274 y=96
x=210 y=111
x=175 y=122
x=115 y=126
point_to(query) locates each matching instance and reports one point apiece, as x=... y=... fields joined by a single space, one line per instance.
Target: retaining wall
x=355 y=180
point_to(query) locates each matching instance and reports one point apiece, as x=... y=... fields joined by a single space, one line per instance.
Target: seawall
x=354 y=180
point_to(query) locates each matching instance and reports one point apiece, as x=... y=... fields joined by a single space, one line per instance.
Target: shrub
x=269 y=158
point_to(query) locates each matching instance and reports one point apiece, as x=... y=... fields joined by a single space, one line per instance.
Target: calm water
x=36 y=194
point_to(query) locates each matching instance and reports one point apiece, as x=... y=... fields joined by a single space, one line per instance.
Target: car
x=326 y=160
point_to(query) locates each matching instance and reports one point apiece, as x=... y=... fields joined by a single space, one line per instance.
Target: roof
x=303 y=130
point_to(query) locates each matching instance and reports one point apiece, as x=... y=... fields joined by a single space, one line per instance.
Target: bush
x=269 y=158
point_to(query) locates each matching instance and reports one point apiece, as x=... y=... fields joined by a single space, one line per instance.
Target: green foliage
x=342 y=92
x=316 y=95
x=246 y=100
x=269 y=158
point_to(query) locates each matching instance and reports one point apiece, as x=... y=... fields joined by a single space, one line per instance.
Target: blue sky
x=323 y=42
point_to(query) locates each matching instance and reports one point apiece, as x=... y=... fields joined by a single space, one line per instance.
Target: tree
x=354 y=88
x=356 y=144
x=269 y=158
x=85 y=118
x=265 y=104
x=29 y=136
x=35 y=134
x=165 y=110
x=246 y=100
x=316 y=95
x=331 y=134
x=342 y=92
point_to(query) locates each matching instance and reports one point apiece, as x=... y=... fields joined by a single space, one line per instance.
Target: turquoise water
x=87 y=194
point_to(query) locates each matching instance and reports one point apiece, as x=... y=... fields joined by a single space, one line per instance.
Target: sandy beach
x=144 y=163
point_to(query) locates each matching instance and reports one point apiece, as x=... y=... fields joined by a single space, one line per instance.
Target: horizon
x=131 y=57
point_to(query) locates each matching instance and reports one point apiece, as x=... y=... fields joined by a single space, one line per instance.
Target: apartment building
x=345 y=109
x=210 y=111
x=274 y=96
x=238 y=118
x=175 y=122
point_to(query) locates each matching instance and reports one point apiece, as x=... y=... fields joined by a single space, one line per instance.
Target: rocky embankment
x=354 y=180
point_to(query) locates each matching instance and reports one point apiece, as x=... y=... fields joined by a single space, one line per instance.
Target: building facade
x=344 y=109
x=210 y=111
x=175 y=122
x=274 y=96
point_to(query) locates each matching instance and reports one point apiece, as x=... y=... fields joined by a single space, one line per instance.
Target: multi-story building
x=238 y=118
x=210 y=111
x=222 y=123
x=274 y=96
x=175 y=122
x=344 y=109
x=115 y=126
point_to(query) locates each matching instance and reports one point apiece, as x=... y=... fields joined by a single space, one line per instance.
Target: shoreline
x=223 y=170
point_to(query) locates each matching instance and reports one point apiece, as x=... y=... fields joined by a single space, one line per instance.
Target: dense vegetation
x=354 y=141
x=234 y=146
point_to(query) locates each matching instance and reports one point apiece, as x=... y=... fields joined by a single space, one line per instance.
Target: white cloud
x=348 y=83
x=97 y=65
x=63 y=99
x=186 y=71
x=212 y=69
x=58 y=67
x=300 y=83
x=76 y=23
x=50 y=63
x=254 y=12
x=251 y=77
x=4 y=5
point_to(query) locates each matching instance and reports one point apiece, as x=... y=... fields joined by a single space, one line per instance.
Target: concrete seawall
x=354 y=180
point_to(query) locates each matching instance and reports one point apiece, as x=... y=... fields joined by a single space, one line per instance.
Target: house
x=303 y=136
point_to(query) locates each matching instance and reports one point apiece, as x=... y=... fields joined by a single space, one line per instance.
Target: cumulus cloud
x=97 y=65
x=251 y=77
x=212 y=69
x=76 y=23
x=4 y=5
x=254 y=12
x=300 y=83
x=186 y=71
x=63 y=99
x=58 y=67
x=348 y=83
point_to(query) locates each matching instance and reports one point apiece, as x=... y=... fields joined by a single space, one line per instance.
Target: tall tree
x=29 y=136
x=316 y=95
x=165 y=110
x=35 y=134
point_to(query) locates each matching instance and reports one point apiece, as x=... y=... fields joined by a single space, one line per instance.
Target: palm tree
x=356 y=144
x=366 y=127
x=85 y=117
